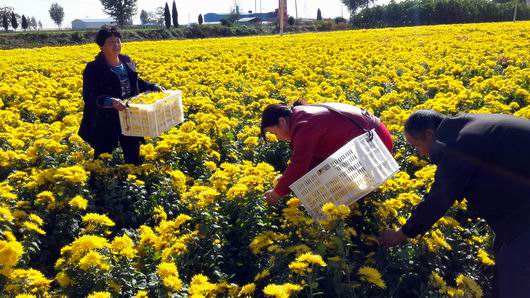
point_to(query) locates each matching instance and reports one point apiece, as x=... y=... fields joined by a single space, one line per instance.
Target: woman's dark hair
x=106 y=32
x=272 y=114
x=422 y=120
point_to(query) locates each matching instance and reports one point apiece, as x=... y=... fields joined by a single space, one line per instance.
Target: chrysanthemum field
x=191 y=221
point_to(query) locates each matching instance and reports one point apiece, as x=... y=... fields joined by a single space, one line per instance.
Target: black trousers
x=512 y=268
x=130 y=147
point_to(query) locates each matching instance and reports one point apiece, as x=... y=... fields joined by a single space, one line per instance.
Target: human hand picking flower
x=272 y=197
x=159 y=88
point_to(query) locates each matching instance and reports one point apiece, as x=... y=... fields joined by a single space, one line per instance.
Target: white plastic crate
x=352 y=172
x=151 y=120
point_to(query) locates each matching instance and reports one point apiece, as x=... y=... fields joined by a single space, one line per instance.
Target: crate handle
x=127 y=120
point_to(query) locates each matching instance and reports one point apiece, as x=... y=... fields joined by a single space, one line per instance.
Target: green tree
x=175 y=15
x=25 y=23
x=167 y=16
x=121 y=10
x=14 y=21
x=319 y=15
x=354 y=5
x=5 y=22
x=57 y=14
x=200 y=19
x=6 y=12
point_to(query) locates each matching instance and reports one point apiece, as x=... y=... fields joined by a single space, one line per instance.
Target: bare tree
x=144 y=17
x=158 y=15
x=33 y=23
x=57 y=14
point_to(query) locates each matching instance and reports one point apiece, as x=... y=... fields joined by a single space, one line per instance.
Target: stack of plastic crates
x=151 y=120
x=352 y=172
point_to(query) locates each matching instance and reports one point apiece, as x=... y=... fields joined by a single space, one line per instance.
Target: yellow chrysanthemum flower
x=372 y=276
x=200 y=286
x=99 y=295
x=78 y=202
x=281 y=291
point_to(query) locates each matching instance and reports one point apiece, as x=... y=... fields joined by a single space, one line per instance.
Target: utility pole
x=296 y=8
x=282 y=13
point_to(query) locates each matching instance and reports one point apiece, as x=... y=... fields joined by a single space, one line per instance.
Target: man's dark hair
x=106 y=32
x=272 y=114
x=422 y=120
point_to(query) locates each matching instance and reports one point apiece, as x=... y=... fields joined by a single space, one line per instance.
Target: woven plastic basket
x=352 y=172
x=151 y=120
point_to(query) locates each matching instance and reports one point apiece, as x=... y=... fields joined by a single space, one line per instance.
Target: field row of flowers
x=191 y=219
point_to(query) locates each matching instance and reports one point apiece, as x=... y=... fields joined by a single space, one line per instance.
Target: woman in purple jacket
x=107 y=81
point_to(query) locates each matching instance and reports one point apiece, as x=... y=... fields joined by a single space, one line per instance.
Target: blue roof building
x=264 y=17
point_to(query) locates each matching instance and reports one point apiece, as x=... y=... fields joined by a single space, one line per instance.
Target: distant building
x=251 y=20
x=262 y=17
x=91 y=23
x=215 y=17
x=151 y=24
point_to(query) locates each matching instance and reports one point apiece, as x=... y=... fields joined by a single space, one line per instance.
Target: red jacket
x=317 y=132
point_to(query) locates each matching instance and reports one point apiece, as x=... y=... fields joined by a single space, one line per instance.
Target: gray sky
x=188 y=9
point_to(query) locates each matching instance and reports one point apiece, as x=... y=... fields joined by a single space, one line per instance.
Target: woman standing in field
x=315 y=132
x=108 y=80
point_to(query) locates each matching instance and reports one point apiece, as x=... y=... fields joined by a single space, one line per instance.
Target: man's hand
x=392 y=238
x=118 y=105
x=272 y=197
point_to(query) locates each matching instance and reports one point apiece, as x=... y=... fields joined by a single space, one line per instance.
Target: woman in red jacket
x=315 y=132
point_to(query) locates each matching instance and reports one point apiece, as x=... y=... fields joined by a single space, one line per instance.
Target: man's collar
x=437 y=151
x=438 y=148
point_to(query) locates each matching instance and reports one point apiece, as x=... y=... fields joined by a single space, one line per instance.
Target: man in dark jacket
x=485 y=159
x=108 y=80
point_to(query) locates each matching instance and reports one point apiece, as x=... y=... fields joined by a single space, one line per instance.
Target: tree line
x=163 y=16
x=122 y=11
x=431 y=12
x=13 y=20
